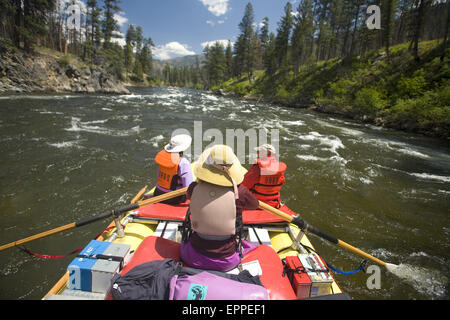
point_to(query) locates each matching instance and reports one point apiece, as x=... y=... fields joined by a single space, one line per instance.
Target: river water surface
x=66 y=157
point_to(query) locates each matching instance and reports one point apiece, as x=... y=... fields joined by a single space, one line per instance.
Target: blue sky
x=180 y=27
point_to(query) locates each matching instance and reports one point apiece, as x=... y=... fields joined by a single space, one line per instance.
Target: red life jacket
x=271 y=178
x=167 y=169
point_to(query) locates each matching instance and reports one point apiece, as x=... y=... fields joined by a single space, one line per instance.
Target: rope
x=46 y=256
x=362 y=266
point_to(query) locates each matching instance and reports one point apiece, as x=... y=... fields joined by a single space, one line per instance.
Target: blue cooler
x=80 y=269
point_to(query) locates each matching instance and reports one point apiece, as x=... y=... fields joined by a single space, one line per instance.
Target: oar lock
x=117 y=214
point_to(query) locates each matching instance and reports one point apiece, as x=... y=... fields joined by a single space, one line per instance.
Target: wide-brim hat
x=179 y=143
x=220 y=166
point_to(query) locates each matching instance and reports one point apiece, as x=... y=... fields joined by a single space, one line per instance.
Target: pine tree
x=269 y=56
x=264 y=33
x=130 y=42
x=109 y=23
x=283 y=36
x=388 y=24
x=145 y=56
x=302 y=35
x=244 y=52
x=229 y=61
x=417 y=26
x=94 y=16
x=215 y=64
x=35 y=15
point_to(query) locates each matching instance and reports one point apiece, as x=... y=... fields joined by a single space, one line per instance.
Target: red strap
x=45 y=256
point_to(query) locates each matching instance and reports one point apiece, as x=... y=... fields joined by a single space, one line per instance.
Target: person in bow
x=174 y=170
x=266 y=177
x=217 y=200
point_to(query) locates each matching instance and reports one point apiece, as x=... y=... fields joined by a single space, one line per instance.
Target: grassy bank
x=395 y=91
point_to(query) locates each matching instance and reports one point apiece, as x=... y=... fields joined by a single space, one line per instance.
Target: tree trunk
x=17 y=22
x=447 y=23
x=417 y=29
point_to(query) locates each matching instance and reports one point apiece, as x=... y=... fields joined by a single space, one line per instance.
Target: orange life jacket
x=167 y=169
x=271 y=179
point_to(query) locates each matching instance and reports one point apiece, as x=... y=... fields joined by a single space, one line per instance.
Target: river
x=66 y=157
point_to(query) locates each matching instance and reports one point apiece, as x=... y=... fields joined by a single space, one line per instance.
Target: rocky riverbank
x=47 y=72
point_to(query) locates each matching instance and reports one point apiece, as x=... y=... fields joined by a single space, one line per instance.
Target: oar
x=303 y=225
x=115 y=212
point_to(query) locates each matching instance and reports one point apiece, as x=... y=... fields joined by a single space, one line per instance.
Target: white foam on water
x=426 y=281
x=210 y=97
x=154 y=141
x=428 y=176
x=170 y=95
x=347 y=131
x=117 y=179
x=310 y=157
x=189 y=107
x=79 y=126
x=365 y=180
x=292 y=122
x=399 y=147
x=414 y=153
x=50 y=112
x=42 y=97
x=65 y=144
x=131 y=96
x=326 y=143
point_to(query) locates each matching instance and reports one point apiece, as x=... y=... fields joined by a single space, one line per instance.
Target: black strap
x=302 y=269
x=100 y=257
x=268 y=185
x=239 y=226
x=264 y=194
x=186 y=228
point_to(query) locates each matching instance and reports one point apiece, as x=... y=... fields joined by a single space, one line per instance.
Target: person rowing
x=217 y=200
x=266 y=177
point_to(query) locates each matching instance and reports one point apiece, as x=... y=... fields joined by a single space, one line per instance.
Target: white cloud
x=216 y=7
x=211 y=43
x=121 y=20
x=171 y=50
x=118 y=37
x=211 y=23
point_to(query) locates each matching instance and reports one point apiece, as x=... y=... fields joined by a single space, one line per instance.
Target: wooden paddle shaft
x=85 y=221
x=163 y=197
x=37 y=236
x=361 y=253
x=65 y=278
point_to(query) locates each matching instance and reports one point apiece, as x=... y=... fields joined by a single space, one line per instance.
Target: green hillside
x=394 y=91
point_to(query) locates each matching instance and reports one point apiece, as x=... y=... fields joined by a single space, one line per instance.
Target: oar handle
x=116 y=212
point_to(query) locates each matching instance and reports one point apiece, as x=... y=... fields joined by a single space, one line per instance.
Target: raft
x=153 y=233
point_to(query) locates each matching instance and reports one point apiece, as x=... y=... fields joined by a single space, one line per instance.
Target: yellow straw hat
x=220 y=166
